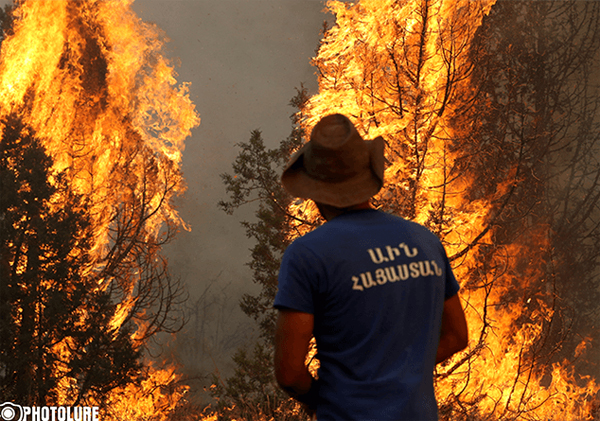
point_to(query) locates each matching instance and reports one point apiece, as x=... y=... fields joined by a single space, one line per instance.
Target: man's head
x=336 y=167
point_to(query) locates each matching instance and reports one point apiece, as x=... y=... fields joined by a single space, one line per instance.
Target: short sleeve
x=296 y=280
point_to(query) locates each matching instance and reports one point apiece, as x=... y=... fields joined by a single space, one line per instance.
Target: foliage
x=492 y=142
x=536 y=123
x=86 y=205
x=252 y=393
x=257 y=171
x=55 y=326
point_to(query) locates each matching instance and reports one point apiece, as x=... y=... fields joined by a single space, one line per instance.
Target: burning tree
x=491 y=125
x=55 y=320
x=473 y=130
x=88 y=99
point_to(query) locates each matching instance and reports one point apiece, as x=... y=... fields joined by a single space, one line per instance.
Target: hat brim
x=352 y=191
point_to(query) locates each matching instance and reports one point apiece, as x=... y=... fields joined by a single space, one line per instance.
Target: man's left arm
x=293 y=333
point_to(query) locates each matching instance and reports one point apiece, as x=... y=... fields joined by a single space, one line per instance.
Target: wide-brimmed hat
x=337 y=166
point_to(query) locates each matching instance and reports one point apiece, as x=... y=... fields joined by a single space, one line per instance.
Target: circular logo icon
x=10 y=412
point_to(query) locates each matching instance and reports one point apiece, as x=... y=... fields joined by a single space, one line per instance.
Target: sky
x=244 y=60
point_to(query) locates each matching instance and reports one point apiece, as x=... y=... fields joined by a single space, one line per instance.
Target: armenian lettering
x=394 y=273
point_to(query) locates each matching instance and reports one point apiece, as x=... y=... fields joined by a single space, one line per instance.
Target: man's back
x=376 y=286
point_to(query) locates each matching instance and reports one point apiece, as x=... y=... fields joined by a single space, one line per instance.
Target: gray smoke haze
x=244 y=59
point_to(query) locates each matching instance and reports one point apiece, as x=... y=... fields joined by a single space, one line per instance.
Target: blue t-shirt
x=376 y=285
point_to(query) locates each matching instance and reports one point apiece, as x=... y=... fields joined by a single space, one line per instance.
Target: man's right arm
x=454 y=335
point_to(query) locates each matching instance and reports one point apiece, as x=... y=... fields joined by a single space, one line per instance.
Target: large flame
x=401 y=70
x=90 y=78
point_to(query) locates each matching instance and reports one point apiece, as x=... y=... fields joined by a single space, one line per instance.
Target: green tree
x=113 y=136
x=252 y=391
x=54 y=326
x=492 y=139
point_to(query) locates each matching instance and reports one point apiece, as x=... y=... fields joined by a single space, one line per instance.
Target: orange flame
x=90 y=79
x=398 y=69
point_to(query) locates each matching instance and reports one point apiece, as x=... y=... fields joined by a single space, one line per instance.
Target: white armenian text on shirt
x=393 y=273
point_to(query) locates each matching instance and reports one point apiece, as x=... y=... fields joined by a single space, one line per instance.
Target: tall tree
x=534 y=130
x=87 y=81
x=252 y=392
x=477 y=121
x=55 y=329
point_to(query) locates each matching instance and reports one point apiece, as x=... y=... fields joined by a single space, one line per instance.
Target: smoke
x=244 y=60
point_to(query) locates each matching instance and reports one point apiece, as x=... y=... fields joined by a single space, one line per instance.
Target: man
x=375 y=290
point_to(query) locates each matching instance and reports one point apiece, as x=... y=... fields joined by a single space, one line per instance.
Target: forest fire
x=406 y=71
x=490 y=114
x=489 y=138
x=88 y=82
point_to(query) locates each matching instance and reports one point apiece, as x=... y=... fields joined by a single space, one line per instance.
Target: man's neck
x=329 y=212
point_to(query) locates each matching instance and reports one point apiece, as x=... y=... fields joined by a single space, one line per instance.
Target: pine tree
x=103 y=134
x=491 y=139
x=252 y=391
x=486 y=130
x=534 y=129
x=55 y=329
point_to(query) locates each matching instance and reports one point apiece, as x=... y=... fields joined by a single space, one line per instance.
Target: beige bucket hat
x=337 y=166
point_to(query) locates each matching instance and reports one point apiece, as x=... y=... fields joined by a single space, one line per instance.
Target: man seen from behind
x=375 y=290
